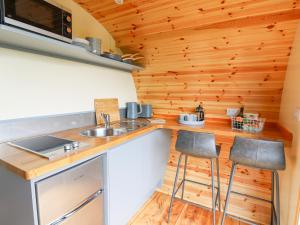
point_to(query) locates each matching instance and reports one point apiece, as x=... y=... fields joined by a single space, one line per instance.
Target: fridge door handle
x=74 y=211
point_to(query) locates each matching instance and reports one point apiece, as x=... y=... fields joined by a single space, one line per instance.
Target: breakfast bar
x=248 y=181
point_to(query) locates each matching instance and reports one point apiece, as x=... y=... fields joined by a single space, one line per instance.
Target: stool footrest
x=241 y=219
x=194 y=204
x=195 y=182
x=250 y=196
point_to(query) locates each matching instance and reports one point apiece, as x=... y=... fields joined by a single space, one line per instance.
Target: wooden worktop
x=30 y=166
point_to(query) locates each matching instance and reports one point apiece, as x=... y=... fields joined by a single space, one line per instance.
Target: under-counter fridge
x=73 y=196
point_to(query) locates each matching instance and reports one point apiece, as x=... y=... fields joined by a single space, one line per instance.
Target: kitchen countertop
x=30 y=166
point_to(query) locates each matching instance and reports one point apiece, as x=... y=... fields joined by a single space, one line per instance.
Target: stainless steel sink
x=116 y=129
x=104 y=132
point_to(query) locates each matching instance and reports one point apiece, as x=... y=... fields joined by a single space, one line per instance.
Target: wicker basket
x=247 y=124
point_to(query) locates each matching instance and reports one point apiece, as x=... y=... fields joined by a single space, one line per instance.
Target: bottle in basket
x=239 y=119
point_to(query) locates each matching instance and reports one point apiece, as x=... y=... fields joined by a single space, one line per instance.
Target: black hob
x=47 y=146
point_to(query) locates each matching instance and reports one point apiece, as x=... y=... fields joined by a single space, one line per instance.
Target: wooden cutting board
x=109 y=106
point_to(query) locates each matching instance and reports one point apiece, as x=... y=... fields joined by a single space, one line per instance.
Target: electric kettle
x=133 y=110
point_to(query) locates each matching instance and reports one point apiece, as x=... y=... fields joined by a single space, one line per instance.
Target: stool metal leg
x=213 y=191
x=228 y=192
x=272 y=200
x=277 y=198
x=174 y=187
x=219 y=186
x=184 y=174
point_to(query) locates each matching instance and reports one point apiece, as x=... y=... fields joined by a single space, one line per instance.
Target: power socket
x=232 y=112
x=120 y=2
x=297 y=114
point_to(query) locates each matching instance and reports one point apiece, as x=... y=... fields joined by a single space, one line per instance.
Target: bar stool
x=260 y=154
x=200 y=145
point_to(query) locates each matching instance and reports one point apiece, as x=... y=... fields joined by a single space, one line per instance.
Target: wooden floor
x=156 y=209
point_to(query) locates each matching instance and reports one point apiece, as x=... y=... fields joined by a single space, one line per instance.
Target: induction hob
x=48 y=146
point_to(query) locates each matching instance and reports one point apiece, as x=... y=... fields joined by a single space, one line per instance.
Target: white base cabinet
x=134 y=171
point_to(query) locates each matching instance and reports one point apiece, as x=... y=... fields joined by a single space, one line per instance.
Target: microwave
x=38 y=16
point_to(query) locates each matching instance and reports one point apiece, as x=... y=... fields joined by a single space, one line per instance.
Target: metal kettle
x=200 y=113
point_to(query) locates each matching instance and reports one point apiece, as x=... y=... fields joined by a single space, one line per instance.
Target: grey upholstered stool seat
x=200 y=145
x=197 y=144
x=261 y=154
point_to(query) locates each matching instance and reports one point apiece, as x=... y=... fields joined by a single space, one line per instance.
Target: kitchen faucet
x=106 y=119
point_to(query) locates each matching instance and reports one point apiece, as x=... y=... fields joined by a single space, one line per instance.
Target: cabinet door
x=135 y=170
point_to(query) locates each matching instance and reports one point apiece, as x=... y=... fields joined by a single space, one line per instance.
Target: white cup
x=182 y=117
x=191 y=117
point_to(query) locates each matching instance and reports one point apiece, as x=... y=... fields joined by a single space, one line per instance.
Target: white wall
x=290 y=178
x=35 y=85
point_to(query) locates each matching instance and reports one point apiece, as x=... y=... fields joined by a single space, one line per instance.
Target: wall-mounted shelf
x=26 y=41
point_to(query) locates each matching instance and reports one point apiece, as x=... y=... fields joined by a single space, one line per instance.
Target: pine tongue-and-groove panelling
x=224 y=53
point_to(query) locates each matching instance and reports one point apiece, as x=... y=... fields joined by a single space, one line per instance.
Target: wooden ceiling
x=224 y=53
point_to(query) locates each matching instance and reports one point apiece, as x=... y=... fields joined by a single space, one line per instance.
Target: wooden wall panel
x=221 y=53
